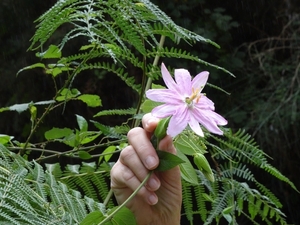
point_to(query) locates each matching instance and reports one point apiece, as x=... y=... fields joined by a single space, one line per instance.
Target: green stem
x=127 y=200
x=155 y=62
x=149 y=80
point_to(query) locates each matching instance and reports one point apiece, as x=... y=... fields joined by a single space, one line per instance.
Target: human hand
x=159 y=201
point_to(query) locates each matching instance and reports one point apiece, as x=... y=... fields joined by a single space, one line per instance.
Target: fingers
x=149 y=122
x=124 y=183
x=139 y=140
x=131 y=160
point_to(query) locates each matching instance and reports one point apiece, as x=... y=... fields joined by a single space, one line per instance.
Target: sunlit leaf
x=36 y=65
x=109 y=149
x=56 y=133
x=90 y=100
x=4 y=139
x=82 y=123
x=53 y=52
x=19 y=107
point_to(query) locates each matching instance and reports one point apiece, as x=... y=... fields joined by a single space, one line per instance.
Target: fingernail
x=153 y=184
x=150 y=162
x=152 y=199
x=152 y=120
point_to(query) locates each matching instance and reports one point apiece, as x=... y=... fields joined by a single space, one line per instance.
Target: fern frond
x=276 y=173
x=187 y=200
x=240 y=171
x=182 y=54
x=199 y=191
x=130 y=81
x=130 y=111
x=31 y=196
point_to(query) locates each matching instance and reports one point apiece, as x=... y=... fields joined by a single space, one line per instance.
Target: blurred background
x=259 y=43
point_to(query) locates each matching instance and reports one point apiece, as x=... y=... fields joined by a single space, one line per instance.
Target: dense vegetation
x=259 y=44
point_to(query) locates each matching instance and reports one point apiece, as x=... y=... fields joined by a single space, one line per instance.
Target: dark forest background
x=260 y=44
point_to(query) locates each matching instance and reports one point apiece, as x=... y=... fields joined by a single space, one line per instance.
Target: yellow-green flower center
x=194 y=96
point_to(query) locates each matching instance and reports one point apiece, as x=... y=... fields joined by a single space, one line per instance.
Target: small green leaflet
x=187 y=170
x=94 y=218
x=167 y=160
x=56 y=133
x=188 y=145
x=90 y=100
x=84 y=155
x=53 y=52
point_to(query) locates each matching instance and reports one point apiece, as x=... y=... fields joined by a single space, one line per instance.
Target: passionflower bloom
x=185 y=103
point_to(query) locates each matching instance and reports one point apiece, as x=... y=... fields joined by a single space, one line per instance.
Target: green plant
x=118 y=35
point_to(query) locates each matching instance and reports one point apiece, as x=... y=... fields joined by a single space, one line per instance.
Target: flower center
x=194 y=96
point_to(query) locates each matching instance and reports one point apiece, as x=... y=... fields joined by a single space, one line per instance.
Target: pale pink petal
x=178 y=122
x=194 y=125
x=184 y=81
x=164 y=110
x=218 y=119
x=163 y=95
x=206 y=118
x=169 y=81
x=200 y=80
x=204 y=103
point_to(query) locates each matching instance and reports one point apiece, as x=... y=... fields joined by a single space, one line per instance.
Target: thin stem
x=106 y=200
x=127 y=200
x=49 y=108
x=149 y=80
x=155 y=62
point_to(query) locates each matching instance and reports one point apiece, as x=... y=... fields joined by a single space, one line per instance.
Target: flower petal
x=207 y=119
x=178 y=121
x=184 y=82
x=170 y=83
x=205 y=103
x=194 y=125
x=163 y=95
x=219 y=119
x=200 y=80
x=163 y=111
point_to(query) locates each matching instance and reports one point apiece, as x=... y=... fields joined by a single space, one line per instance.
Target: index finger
x=149 y=122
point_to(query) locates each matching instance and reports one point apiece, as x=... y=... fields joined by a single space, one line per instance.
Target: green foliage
x=115 y=36
x=29 y=195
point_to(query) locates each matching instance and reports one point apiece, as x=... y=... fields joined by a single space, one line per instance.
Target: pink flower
x=185 y=103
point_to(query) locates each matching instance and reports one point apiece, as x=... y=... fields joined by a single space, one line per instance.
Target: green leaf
x=67 y=94
x=93 y=218
x=82 y=123
x=84 y=155
x=161 y=129
x=19 y=107
x=53 y=52
x=90 y=100
x=56 y=133
x=4 y=139
x=188 y=146
x=87 y=137
x=109 y=149
x=123 y=217
x=167 y=160
x=36 y=65
x=188 y=172
x=148 y=105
